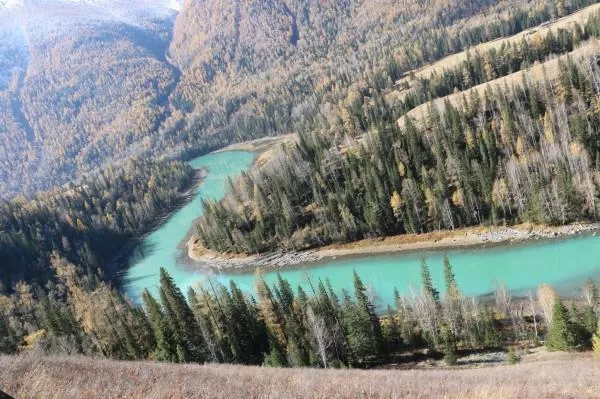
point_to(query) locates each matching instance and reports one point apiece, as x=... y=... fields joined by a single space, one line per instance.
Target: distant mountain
x=85 y=83
x=74 y=76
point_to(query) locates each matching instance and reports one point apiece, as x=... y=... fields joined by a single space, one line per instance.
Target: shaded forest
x=88 y=223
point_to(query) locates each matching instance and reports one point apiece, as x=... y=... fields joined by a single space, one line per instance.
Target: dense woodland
x=88 y=223
x=528 y=151
x=98 y=91
x=279 y=326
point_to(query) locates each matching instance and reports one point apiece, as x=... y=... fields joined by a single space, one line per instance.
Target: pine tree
x=561 y=335
x=452 y=303
x=367 y=312
x=271 y=311
x=186 y=330
x=449 y=344
x=450 y=280
x=391 y=332
x=165 y=344
x=248 y=331
x=427 y=283
x=8 y=340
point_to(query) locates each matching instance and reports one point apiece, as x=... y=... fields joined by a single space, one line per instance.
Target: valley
x=402 y=191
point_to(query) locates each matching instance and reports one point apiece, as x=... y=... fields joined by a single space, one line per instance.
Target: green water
x=563 y=263
x=160 y=248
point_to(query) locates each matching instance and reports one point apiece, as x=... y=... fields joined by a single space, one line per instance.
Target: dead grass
x=453 y=60
x=548 y=69
x=261 y=145
x=557 y=375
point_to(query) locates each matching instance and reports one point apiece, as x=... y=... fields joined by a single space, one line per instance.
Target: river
x=563 y=263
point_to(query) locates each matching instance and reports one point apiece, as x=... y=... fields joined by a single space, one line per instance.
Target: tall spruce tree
x=165 y=344
x=561 y=334
x=427 y=283
x=366 y=323
x=187 y=333
x=450 y=280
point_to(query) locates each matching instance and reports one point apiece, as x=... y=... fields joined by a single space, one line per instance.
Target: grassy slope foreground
x=546 y=375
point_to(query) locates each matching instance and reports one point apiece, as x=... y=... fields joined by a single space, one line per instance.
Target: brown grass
x=548 y=69
x=556 y=375
x=579 y=17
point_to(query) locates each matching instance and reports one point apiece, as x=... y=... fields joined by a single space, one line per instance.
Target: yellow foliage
x=396 y=204
x=546 y=296
x=596 y=345
x=548 y=130
x=470 y=139
x=401 y=169
x=31 y=339
x=596 y=342
x=505 y=133
x=458 y=197
x=576 y=149
x=520 y=146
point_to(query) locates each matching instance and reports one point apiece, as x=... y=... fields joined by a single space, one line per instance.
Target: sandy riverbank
x=438 y=240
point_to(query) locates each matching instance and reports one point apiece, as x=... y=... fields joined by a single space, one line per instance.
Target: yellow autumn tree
x=396 y=204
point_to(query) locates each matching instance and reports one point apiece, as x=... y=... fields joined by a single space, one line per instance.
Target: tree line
x=280 y=326
x=485 y=66
x=526 y=151
x=88 y=223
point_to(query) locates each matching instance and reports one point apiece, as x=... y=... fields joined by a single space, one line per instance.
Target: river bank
x=184 y=198
x=263 y=150
x=479 y=236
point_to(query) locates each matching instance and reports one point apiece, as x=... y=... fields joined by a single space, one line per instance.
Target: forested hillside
x=83 y=88
x=513 y=150
x=88 y=223
x=527 y=151
x=90 y=91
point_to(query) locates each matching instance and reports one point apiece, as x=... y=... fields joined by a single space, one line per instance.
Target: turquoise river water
x=564 y=263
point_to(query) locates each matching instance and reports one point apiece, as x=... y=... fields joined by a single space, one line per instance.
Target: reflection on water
x=161 y=247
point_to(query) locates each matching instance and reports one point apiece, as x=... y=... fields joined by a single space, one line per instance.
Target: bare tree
x=533 y=313
x=504 y=303
x=321 y=338
x=426 y=313
x=590 y=293
x=546 y=296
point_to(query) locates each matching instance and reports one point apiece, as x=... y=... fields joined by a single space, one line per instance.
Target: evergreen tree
x=450 y=280
x=427 y=283
x=368 y=315
x=561 y=334
x=391 y=332
x=188 y=337
x=165 y=343
x=448 y=340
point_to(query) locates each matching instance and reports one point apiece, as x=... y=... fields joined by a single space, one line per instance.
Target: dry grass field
x=548 y=69
x=453 y=60
x=542 y=375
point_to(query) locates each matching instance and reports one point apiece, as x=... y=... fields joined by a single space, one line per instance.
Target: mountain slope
x=82 y=80
x=84 y=83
